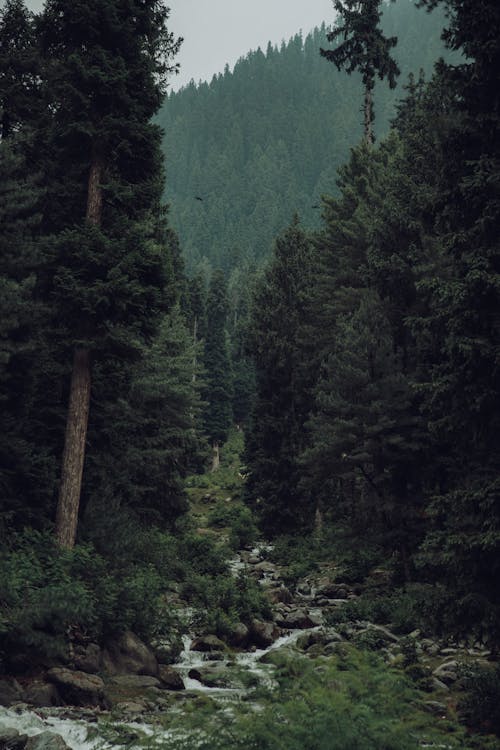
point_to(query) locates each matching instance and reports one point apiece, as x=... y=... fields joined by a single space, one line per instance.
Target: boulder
x=46 y=741
x=170 y=678
x=40 y=694
x=279 y=595
x=265 y=568
x=88 y=658
x=135 y=681
x=238 y=635
x=447 y=672
x=297 y=619
x=263 y=634
x=129 y=655
x=10 y=692
x=334 y=591
x=11 y=739
x=77 y=688
x=208 y=643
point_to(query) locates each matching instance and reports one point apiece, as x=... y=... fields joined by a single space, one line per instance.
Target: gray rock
x=77 y=688
x=10 y=692
x=263 y=634
x=129 y=655
x=41 y=694
x=238 y=635
x=46 y=741
x=279 y=594
x=447 y=672
x=208 y=643
x=334 y=591
x=215 y=656
x=11 y=739
x=297 y=619
x=435 y=707
x=383 y=633
x=438 y=685
x=88 y=658
x=170 y=678
x=135 y=681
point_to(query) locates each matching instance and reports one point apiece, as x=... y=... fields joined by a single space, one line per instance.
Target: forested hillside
x=266 y=140
x=256 y=503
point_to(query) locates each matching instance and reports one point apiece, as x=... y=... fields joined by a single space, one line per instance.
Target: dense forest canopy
x=323 y=380
x=265 y=140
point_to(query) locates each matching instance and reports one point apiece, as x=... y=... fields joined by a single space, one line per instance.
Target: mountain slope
x=265 y=140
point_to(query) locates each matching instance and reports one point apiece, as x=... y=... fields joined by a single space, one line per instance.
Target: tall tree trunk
x=79 y=399
x=74 y=450
x=215 y=456
x=195 y=347
x=368 y=115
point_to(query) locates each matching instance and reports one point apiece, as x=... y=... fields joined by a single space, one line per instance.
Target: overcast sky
x=217 y=32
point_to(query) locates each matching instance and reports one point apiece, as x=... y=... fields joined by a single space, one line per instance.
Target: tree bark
x=368 y=113
x=74 y=450
x=79 y=398
x=215 y=456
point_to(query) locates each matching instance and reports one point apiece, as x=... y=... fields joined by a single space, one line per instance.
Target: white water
x=74 y=733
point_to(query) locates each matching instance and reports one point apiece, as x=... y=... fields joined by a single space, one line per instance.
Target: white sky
x=217 y=32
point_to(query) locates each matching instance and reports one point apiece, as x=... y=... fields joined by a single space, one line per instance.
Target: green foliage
x=480 y=707
x=239 y=519
x=276 y=436
x=275 y=131
x=352 y=702
x=218 y=387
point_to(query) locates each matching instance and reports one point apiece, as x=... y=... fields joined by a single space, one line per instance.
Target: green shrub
x=480 y=708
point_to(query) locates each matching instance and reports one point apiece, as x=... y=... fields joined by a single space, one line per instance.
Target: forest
x=250 y=383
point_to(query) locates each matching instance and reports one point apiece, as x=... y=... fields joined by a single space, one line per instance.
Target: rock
x=135 y=681
x=438 y=685
x=10 y=692
x=46 y=741
x=435 y=707
x=215 y=656
x=11 y=739
x=77 y=688
x=263 y=634
x=88 y=658
x=41 y=694
x=303 y=589
x=208 y=643
x=170 y=678
x=297 y=619
x=334 y=591
x=384 y=633
x=447 y=672
x=238 y=635
x=129 y=655
x=266 y=570
x=279 y=595
x=216 y=677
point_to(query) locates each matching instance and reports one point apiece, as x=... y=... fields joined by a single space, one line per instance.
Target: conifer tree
x=105 y=68
x=18 y=67
x=218 y=375
x=276 y=437
x=364 y=48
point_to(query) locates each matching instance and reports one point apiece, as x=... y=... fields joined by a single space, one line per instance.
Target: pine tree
x=276 y=437
x=217 y=363
x=364 y=48
x=18 y=67
x=105 y=67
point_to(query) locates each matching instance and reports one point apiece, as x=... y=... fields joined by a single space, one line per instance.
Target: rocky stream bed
x=121 y=694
